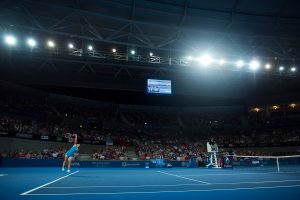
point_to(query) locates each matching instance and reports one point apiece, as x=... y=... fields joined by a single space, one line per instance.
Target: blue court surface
x=138 y=184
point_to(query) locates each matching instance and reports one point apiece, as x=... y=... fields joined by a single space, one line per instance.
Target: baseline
x=36 y=188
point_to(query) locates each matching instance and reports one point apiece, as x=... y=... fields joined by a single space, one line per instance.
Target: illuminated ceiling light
x=292 y=105
x=206 y=60
x=10 y=40
x=151 y=54
x=240 y=63
x=221 y=62
x=254 y=65
x=275 y=107
x=31 y=42
x=90 y=47
x=51 y=44
x=268 y=66
x=71 y=46
x=256 y=109
x=132 y=52
x=293 y=69
x=114 y=50
x=281 y=68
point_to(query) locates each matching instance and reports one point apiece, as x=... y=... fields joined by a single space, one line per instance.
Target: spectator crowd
x=171 y=136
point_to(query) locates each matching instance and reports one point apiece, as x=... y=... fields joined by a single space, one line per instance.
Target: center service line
x=190 y=179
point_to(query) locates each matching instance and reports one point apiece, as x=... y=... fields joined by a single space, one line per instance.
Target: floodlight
x=221 y=62
x=31 y=42
x=293 y=69
x=256 y=109
x=51 y=44
x=240 y=63
x=71 y=46
x=114 y=50
x=151 y=54
x=10 y=40
x=90 y=47
x=206 y=60
x=254 y=65
x=132 y=52
x=281 y=68
x=268 y=66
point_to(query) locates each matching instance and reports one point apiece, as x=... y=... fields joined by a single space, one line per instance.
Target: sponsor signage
x=227 y=162
x=24 y=135
x=3 y=132
x=15 y=162
x=44 y=137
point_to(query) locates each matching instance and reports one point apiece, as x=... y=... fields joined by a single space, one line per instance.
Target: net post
x=277 y=161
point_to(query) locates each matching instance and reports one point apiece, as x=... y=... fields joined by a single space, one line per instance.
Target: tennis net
x=269 y=163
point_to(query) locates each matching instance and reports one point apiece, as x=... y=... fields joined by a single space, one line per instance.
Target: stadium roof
x=236 y=27
x=261 y=29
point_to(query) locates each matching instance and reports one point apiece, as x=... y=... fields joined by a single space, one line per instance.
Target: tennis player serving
x=70 y=153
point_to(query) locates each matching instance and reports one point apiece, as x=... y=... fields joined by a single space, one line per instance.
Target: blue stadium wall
x=14 y=162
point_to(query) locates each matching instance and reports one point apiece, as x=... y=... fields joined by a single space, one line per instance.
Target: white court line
x=3 y=174
x=27 y=192
x=190 y=179
x=176 y=191
x=174 y=185
x=251 y=173
x=127 y=186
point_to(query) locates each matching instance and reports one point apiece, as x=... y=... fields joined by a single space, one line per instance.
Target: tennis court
x=243 y=183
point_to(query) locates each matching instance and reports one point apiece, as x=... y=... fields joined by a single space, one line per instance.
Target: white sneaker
x=62 y=169
x=68 y=171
